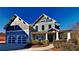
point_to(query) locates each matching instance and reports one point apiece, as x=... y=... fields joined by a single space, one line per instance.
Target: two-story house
x=48 y=29
x=44 y=28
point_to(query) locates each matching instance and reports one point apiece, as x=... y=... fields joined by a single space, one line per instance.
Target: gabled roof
x=15 y=17
x=12 y=19
x=16 y=20
x=43 y=15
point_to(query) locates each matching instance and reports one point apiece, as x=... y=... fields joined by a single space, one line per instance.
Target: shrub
x=73 y=40
x=40 y=42
x=45 y=42
x=71 y=45
x=77 y=48
x=59 y=43
x=35 y=42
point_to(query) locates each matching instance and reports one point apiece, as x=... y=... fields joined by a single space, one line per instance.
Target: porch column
x=46 y=36
x=57 y=36
x=68 y=36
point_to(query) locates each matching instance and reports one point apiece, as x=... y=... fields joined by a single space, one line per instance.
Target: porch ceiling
x=52 y=32
x=64 y=31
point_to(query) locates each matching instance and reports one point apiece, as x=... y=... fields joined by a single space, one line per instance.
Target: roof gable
x=44 y=18
x=12 y=19
x=16 y=20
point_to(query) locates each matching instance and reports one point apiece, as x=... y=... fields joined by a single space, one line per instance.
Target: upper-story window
x=20 y=19
x=36 y=28
x=57 y=27
x=42 y=27
x=23 y=22
x=47 y=20
x=49 y=26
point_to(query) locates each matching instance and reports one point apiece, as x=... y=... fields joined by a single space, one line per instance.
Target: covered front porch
x=52 y=35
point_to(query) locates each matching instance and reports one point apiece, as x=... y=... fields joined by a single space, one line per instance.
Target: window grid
x=20 y=39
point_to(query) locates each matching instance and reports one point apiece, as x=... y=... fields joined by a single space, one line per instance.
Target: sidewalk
x=40 y=48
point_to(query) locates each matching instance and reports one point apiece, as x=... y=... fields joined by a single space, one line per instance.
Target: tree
x=75 y=31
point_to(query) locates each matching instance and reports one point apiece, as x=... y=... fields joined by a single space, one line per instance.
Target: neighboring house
x=44 y=28
x=2 y=38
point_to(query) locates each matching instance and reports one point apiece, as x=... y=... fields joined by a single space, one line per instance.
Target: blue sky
x=66 y=16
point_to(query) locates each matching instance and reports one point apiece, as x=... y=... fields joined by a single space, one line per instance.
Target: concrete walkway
x=40 y=48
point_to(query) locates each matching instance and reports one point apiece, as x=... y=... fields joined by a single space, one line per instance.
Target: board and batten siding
x=46 y=25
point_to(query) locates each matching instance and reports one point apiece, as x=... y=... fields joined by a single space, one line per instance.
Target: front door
x=51 y=37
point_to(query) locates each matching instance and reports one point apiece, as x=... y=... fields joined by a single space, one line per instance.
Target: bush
x=73 y=40
x=59 y=43
x=45 y=42
x=71 y=45
x=40 y=42
x=77 y=48
x=35 y=42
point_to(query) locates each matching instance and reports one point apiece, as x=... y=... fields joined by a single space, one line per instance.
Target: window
x=36 y=28
x=19 y=19
x=23 y=22
x=49 y=26
x=50 y=19
x=47 y=17
x=42 y=27
x=57 y=27
x=11 y=39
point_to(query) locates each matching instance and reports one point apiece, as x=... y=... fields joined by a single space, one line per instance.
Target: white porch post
x=57 y=36
x=46 y=36
x=68 y=36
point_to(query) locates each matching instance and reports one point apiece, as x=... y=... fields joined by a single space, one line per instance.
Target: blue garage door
x=11 y=39
x=22 y=39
